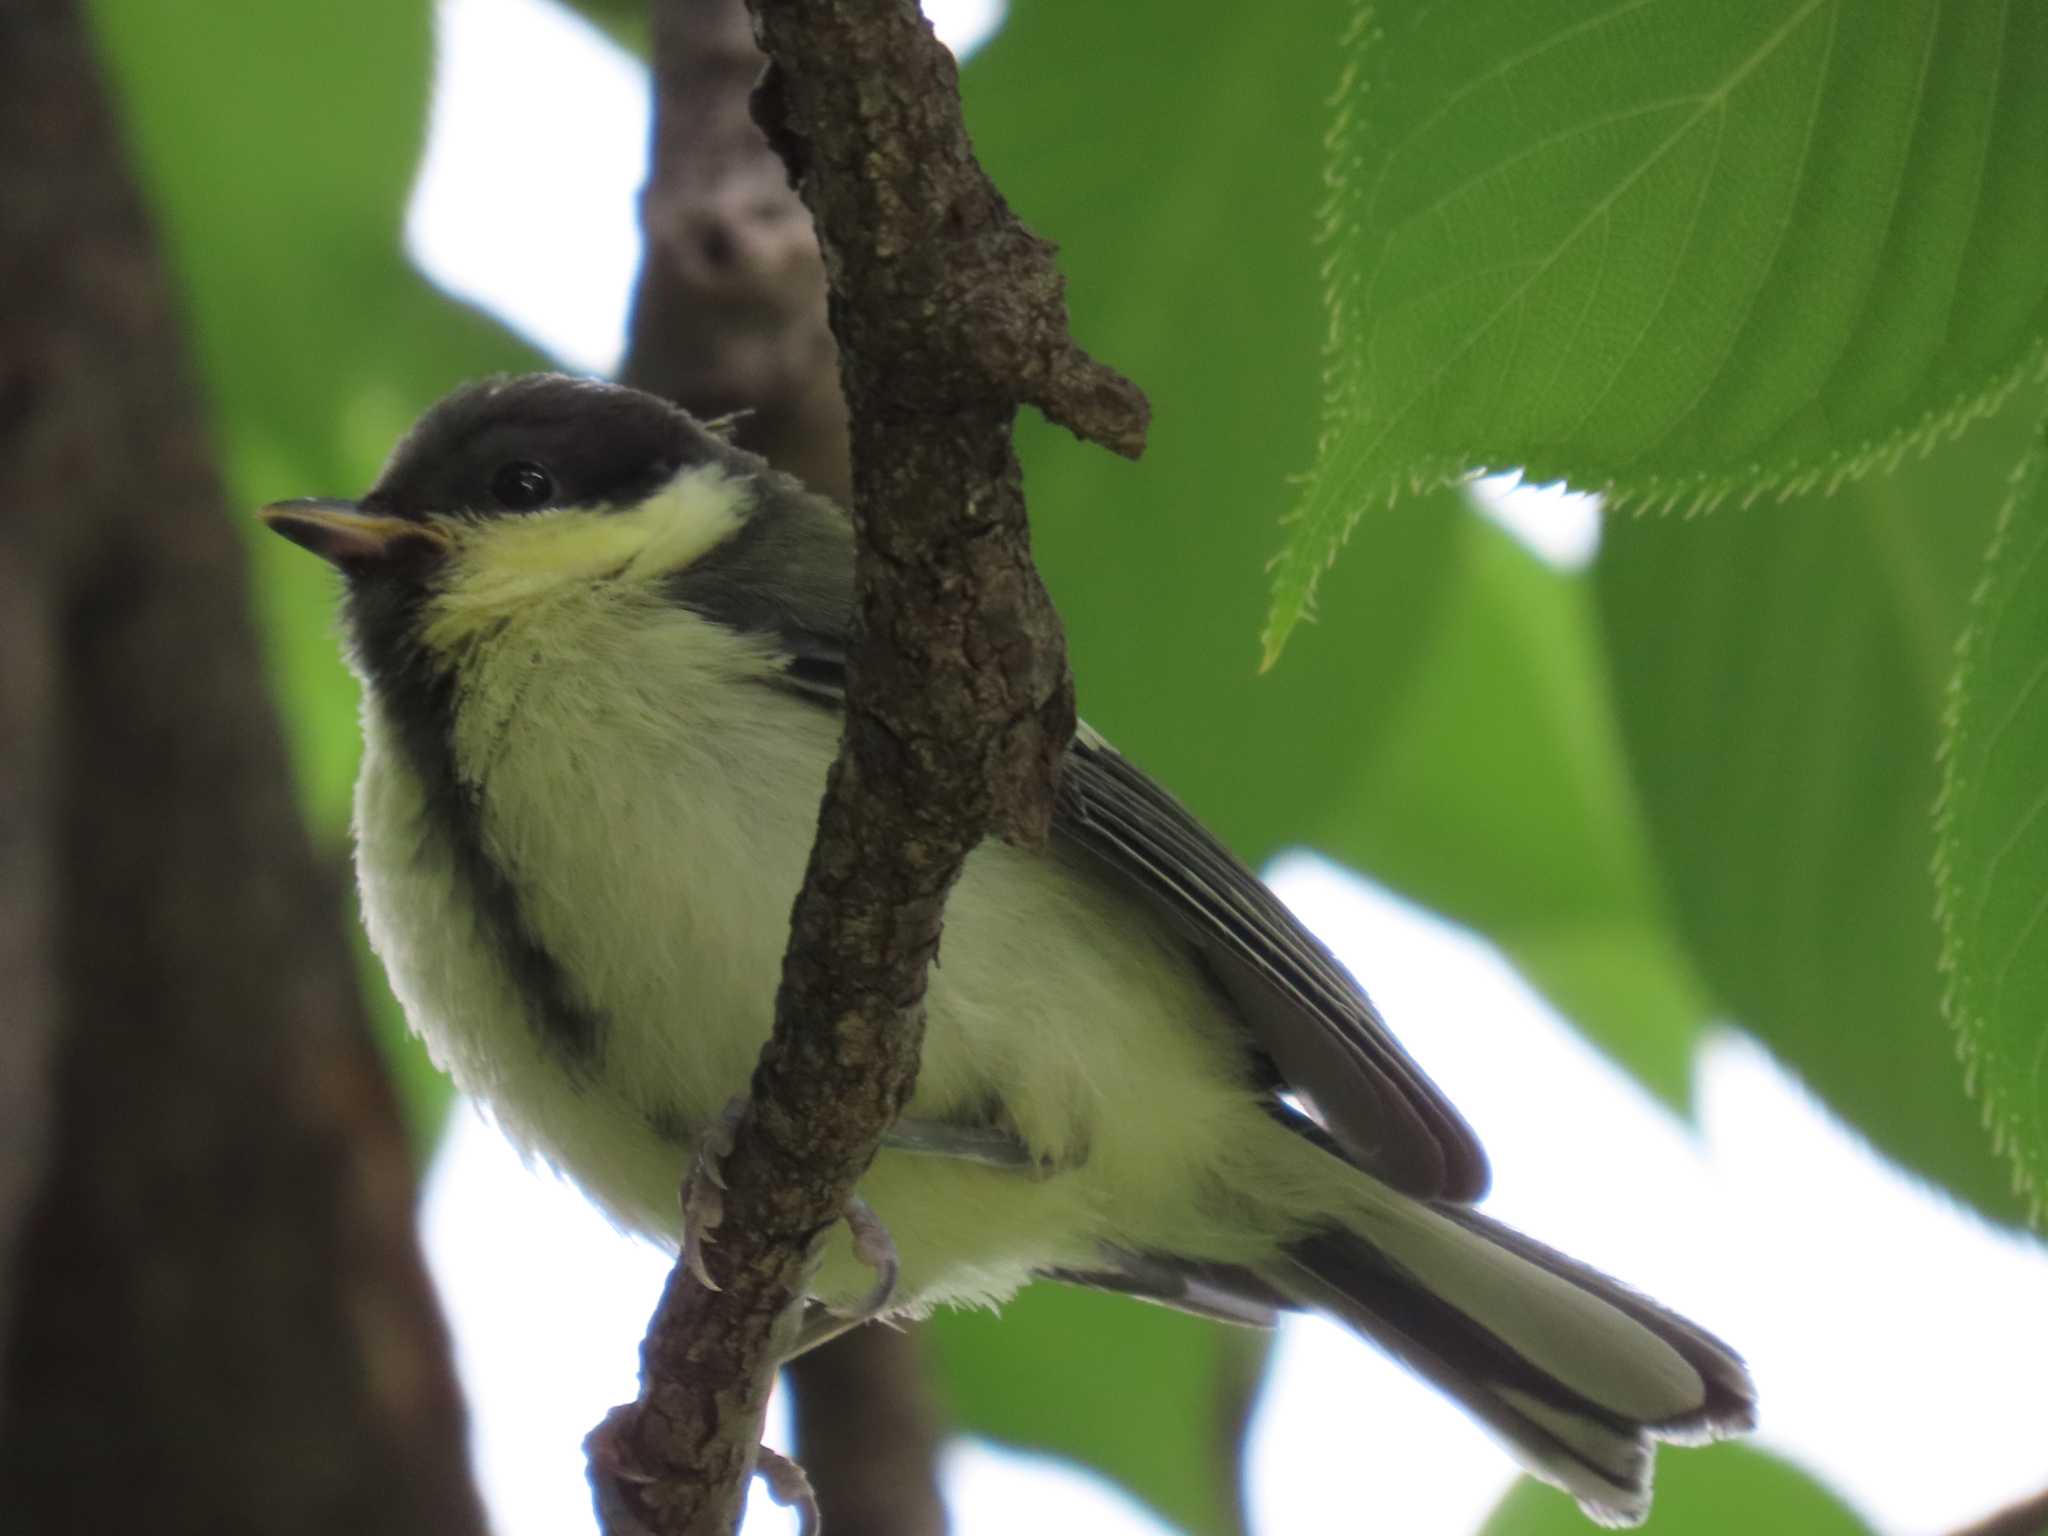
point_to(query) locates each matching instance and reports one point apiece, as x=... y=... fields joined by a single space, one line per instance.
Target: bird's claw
x=615 y=1468
x=703 y=1190
x=703 y=1204
x=874 y=1247
x=789 y=1486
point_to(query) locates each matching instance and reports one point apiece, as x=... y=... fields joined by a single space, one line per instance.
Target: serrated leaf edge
x=1298 y=565
x=1968 y=1026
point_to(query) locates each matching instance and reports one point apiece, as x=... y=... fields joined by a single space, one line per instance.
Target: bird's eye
x=522 y=485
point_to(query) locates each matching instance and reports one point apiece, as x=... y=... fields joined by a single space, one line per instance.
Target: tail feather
x=1575 y=1371
x=1729 y=1401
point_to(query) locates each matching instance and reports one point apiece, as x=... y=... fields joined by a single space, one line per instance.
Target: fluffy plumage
x=597 y=729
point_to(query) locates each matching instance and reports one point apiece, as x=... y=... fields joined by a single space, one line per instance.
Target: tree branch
x=729 y=316
x=948 y=314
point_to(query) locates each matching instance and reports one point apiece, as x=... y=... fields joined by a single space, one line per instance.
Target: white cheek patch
x=502 y=566
x=691 y=516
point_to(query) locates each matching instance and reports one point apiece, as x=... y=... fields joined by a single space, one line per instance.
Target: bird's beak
x=343 y=533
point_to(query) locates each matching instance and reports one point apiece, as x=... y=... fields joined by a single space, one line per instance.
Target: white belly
x=655 y=849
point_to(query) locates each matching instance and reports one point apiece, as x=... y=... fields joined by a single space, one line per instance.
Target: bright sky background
x=1898 y=1343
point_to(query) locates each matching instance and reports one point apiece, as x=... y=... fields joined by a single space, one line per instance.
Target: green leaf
x=1676 y=252
x=1992 y=866
x=1445 y=728
x=1779 y=674
x=1148 y=1396
x=1501 y=798
x=1714 y=1491
x=1381 y=742
x=277 y=144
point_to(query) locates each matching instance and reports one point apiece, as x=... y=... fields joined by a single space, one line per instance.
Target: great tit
x=603 y=657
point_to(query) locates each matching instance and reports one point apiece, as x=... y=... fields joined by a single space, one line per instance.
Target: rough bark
x=948 y=315
x=221 y=1323
x=729 y=317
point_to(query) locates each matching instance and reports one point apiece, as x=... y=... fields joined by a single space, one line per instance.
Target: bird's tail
x=1575 y=1371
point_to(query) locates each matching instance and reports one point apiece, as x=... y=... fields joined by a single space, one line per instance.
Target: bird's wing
x=1304 y=1009
x=787 y=574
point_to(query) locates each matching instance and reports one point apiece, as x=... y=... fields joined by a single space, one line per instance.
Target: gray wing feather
x=787 y=573
x=1304 y=1008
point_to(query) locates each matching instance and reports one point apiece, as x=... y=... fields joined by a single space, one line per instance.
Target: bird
x=603 y=659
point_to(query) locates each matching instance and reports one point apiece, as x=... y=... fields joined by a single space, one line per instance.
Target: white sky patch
x=527 y=200
x=992 y=1490
x=527 y=197
x=1899 y=1340
x=964 y=25
x=1559 y=525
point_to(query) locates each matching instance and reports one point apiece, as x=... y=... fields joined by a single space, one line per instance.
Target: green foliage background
x=1754 y=255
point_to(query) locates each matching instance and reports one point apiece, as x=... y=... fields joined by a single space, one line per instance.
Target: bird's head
x=516 y=490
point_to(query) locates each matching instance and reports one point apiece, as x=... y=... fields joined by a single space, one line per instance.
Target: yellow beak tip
x=342 y=534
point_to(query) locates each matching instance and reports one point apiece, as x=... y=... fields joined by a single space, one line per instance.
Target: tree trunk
x=213 y=1313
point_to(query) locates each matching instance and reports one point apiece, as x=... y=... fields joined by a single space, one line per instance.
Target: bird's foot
x=703 y=1200
x=618 y=1477
x=704 y=1189
x=791 y=1488
x=874 y=1247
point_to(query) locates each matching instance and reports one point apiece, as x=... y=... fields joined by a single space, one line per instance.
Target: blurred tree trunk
x=729 y=312
x=2029 y=1517
x=729 y=316
x=213 y=1316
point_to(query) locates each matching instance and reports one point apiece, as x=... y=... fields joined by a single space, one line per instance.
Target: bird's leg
x=874 y=1247
x=990 y=1146
x=703 y=1209
x=703 y=1203
x=704 y=1189
x=615 y=1465
x=790 y=1487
